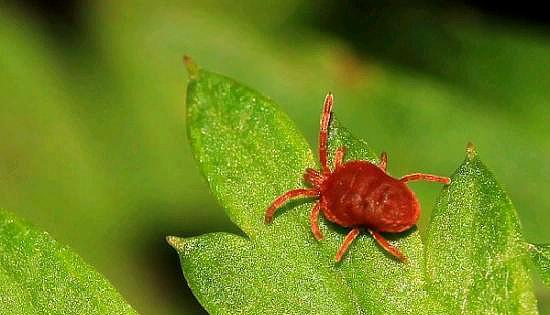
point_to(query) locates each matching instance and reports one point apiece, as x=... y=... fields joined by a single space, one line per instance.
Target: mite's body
x=357 y=194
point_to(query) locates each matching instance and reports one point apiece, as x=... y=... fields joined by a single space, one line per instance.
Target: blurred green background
x=93 y=144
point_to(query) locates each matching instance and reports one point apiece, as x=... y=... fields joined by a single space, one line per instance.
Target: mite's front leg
x=291 y=194
x=425 y=177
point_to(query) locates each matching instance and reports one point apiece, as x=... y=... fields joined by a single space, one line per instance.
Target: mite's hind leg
x=314 y=220
x=383 y=161
x=347 y=242
x=387 y=246
x=339 y=157
x=426 y=177
x=286 y=197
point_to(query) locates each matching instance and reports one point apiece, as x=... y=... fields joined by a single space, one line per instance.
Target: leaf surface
x=39 y=276
x=476 y=258
x=250 y=152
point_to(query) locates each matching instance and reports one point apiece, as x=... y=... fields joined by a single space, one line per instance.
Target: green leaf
x=476 y=258
x=39 y=276
x=250 y=152
x=540 y=254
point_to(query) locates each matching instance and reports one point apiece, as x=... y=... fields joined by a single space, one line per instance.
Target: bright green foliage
x=476 y=258
x=250 y=152
x=540 y=254
x=39 y=276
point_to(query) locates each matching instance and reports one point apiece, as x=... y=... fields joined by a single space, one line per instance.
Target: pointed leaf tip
x=176 y=242
x=191 y=66
x=471 y=150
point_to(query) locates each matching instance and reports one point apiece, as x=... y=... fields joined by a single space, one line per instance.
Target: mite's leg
x=387 y=246
x=313 y=177
x=314 y=220
x=347 y=242
x=383 y=161
x=286 y=197
x=339 y=157
x=323 y=134
x=426 y=177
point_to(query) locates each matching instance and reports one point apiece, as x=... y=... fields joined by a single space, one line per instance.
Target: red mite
x=357 y=194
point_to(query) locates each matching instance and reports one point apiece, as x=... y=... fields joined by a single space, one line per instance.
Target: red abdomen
x=359 y=193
